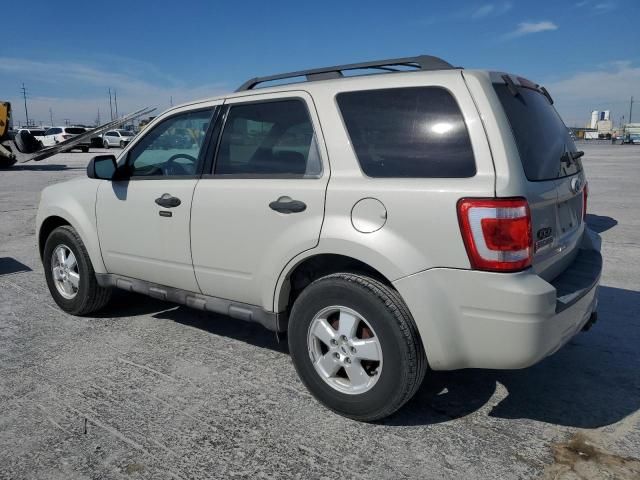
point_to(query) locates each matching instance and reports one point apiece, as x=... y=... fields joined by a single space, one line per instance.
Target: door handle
x=287 y=205
x=168 y=201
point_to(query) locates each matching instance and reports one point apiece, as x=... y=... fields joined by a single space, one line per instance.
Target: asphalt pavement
x=147 y=389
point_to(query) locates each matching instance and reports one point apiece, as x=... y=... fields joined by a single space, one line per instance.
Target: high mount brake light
x=496 y=233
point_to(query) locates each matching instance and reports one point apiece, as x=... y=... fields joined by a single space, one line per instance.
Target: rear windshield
x=541 y=135
x=74 y=130
x=416 y=132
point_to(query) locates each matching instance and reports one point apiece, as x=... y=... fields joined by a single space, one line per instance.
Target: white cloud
x=607 y=88
x=137 y=85
x=527 y=28
x=490 y=9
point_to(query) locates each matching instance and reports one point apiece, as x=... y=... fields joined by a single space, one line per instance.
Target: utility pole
x=51 y=116
x=171 y=100
x=110 y=106
x=24 y=95
x=98 y=118
x=115 y=97
x=630 y=109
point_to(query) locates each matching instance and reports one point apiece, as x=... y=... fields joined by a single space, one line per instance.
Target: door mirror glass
x=102 y=167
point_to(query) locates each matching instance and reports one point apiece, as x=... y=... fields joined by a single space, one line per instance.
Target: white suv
x=55 y=135
x=117 y=138
x=424 y=217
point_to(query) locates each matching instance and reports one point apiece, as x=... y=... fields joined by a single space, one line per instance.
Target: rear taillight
x=585 y=195
x=496 y=233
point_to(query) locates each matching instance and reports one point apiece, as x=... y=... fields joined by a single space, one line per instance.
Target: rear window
x=74 y=130
x=414 y=132
x=541 y=135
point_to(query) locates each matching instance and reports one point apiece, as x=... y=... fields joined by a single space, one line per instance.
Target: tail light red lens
x=496 y=233
x=585 y=195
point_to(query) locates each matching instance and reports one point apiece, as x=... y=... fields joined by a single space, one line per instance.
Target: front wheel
x=105 y=144
x=355 y=346
x=70 y=275
x=121 y=143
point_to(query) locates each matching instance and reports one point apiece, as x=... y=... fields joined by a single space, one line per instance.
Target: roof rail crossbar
x=421 y=62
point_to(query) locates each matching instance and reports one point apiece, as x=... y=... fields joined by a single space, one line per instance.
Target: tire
x=105 y=144
x=26 y=143
x=89 y=296
x=121 y=144
x=392 y=381
x=84 y=149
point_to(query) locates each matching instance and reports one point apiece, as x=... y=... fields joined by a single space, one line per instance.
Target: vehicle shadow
x=591 y=382
x=46 y=167
x=9 y=265
x=600 y=223
x=128 y=304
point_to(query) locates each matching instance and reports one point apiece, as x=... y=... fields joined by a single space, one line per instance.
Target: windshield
x=541 y=135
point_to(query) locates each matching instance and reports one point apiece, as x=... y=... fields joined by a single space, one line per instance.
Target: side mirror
x=102 y=167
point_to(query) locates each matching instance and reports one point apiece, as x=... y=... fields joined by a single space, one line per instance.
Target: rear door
x=555 y=182
x=262 y=203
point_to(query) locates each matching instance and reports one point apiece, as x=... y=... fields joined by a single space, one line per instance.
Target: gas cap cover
x=368 y=215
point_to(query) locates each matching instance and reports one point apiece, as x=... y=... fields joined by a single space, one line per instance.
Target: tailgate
x=553 y=169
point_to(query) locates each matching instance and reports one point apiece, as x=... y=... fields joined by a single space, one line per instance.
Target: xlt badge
x=544 y=238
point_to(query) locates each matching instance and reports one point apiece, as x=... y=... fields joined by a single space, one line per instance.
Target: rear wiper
x=570 y=157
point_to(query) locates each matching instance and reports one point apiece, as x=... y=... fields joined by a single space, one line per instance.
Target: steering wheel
x=173 y=168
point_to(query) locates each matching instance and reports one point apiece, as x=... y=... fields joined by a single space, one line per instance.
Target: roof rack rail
x=421 y=62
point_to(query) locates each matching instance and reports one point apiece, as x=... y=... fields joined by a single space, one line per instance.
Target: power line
x=24 y=95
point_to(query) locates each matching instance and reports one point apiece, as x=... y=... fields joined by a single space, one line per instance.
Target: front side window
x=415 y=132
x=172 y=148
x=273 y=138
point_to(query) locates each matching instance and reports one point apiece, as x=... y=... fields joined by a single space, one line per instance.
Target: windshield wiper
x=571 y=157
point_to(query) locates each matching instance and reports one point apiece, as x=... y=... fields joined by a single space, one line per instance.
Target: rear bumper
x=473 y=319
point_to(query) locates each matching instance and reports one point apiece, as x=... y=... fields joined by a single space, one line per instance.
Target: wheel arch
x=298 y=274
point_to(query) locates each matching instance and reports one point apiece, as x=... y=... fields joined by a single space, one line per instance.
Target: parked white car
x=387 y=222
x=55 y=135
x=117 y=138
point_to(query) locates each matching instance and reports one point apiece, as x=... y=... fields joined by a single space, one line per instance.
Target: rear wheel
x=70 y=275
x=355 y=346
x=84 y=149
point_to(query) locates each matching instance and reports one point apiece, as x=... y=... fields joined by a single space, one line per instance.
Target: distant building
x=601 y=122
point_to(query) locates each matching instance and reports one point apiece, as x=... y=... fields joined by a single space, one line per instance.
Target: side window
x=171 y=148
x=408 y=132
x=268 y=138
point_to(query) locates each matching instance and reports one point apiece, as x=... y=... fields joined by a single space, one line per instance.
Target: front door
x=263 y=201
x=143 y=221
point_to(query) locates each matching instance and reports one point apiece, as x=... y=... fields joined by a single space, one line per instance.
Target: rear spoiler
x=27 y=148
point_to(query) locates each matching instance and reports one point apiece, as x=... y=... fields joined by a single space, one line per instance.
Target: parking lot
x=152 y=390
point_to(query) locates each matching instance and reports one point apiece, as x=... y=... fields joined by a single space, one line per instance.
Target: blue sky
x=587 y=52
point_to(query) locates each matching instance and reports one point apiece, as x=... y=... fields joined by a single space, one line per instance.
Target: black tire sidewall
x=390 y=385
x=62 y=236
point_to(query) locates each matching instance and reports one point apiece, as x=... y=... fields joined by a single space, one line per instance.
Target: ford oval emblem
x=576 y=184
